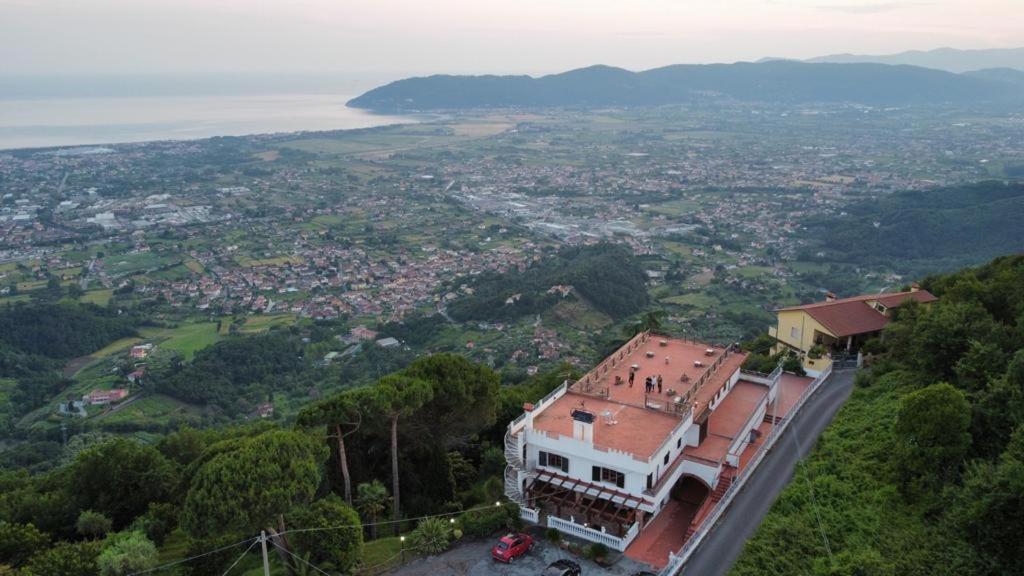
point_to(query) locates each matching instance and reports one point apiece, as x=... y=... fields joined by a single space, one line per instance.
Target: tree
x=119 y=479
x=337 y=413
x=991 y=507
x=393 y=397
x=932 y=429
x=341 y=545
x=66 y=559
x=371 y=501
x=92 y=524
x=18 y=542
x=126 y=553
x=246 y=486
x=650 y=320
x=463 y=396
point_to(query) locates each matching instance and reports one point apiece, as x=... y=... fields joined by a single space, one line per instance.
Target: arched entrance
x=689 y=493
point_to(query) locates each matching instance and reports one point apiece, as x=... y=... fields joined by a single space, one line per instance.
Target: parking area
x=474 y=559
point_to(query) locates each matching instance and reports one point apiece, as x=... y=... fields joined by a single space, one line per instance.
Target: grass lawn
x=116 y=346
x=186 y=338
x=156 y=408
x=262 y=323
x=696 y=299
x=381 y=554
x=98 y=297
x=195 y=266
x=753 y=271
x=131 y=263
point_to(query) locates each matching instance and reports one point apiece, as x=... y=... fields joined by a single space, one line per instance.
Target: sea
x=58 y=122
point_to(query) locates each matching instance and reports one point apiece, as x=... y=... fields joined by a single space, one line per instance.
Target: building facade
x=656 y=425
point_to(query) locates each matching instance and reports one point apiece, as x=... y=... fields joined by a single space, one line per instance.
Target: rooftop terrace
x=630 y=419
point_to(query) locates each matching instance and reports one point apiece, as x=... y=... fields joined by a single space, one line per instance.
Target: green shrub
x=432 y=536
x=597 y=551
x=553 y=535
x=92 y=524
x=487 y=521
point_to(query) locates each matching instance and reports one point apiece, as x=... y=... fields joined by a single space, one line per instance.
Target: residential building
x=101 y=397
x=819 y=330
x=603 y=457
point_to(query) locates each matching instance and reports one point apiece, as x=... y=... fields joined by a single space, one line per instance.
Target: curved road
x=722 y=547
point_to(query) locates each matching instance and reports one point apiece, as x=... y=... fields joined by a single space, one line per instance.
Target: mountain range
x=774 y=81
x=948 y=59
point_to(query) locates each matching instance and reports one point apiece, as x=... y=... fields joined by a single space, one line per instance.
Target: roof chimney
x=914 y=287
x=583 y=426
x=830 y=297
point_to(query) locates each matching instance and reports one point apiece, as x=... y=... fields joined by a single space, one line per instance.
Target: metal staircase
x=514 y=471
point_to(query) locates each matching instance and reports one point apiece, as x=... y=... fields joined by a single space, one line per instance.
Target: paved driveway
x=474 y=559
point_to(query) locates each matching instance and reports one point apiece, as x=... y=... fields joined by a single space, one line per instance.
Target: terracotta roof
x=857 y=315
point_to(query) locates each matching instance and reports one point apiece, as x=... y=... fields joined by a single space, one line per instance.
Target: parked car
x=512 y=546
x=562 y=567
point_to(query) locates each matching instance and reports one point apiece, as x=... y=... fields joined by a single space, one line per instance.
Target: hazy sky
x=426 y=36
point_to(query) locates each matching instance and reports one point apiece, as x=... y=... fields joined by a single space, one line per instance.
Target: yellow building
x=839 y=325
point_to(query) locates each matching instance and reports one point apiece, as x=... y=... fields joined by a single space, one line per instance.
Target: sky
x=406 y=37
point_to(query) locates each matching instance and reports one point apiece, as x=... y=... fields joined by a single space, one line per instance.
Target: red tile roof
x=857 y=315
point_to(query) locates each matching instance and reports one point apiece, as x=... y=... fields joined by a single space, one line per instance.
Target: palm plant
x=372 y=501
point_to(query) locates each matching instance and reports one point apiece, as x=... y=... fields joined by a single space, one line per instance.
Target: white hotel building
x=601 y=458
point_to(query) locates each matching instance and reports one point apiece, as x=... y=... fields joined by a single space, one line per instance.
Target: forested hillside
x=36 y=340
x=608 y=276
x=118 y=506
x=926 y=231
x=922 y=472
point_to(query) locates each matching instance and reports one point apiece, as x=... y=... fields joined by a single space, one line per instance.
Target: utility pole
x=266 y=561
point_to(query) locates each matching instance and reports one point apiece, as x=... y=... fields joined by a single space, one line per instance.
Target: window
x=608 y=475
x=679 y=443
x=794 y=333
x=666 y=458
x=650 y=481
x=554 y=461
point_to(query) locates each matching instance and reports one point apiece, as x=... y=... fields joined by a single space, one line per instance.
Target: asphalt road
x=722 y=547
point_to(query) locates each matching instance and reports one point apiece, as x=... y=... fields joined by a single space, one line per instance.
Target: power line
x=191 y=558
x=299 y=558
x=810 y=489
x=239 y=559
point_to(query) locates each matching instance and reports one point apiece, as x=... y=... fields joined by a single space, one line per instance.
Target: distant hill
x=778 y=81
x=926 y=230
x=1007 y=75
x=948 y=59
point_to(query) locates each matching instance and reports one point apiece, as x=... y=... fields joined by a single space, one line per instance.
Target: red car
x=512 y=546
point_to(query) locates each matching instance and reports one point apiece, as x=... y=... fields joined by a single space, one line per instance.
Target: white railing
x=581 y=531
x=529 y=514
x=517 y=424
x=678 y=559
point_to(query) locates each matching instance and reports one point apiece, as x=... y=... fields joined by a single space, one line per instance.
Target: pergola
x=594 y=503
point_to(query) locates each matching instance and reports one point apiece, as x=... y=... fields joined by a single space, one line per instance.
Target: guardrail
x=678 y=560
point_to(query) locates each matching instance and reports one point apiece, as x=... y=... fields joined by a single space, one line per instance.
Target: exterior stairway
x=514 y=469
x=724 y=482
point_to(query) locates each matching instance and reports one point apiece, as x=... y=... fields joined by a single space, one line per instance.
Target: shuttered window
x=549 y=460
